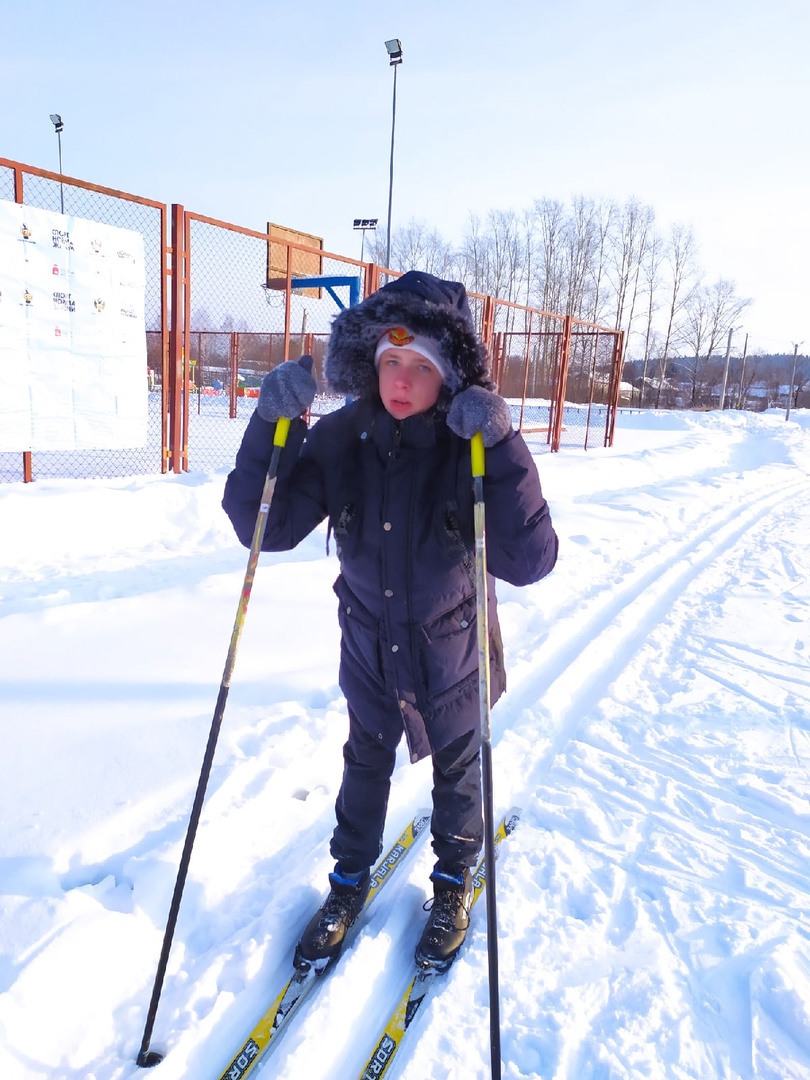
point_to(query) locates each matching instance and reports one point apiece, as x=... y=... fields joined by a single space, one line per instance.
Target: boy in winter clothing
x=391 y=472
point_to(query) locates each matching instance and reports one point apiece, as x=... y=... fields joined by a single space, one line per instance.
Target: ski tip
x=511 y=818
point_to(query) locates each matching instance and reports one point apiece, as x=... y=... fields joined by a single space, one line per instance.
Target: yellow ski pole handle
x=282 y=431
x=477 y=454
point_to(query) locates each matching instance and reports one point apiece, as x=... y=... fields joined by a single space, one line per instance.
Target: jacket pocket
x=449 y=648
x=359 y=631
x=344 y=529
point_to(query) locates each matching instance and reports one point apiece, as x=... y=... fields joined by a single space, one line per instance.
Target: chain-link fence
x=48 y=191
x=243 y=301
x=560 y=375
x=245 y=314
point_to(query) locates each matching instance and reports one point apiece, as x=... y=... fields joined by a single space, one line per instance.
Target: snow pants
x=457 y=825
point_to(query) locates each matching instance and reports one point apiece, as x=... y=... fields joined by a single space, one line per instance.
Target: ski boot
x=447 y=923
x=322 y=940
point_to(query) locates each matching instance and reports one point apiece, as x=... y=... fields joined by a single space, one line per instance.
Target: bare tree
x=651 y=272
x=494 y=255
x=550 y=221
x=681 y=257
x=581 y=242
x=474 y=256
x=604 y=223
x=708 y=316
x=631 y=242
x=595 y=260
x=415 y=247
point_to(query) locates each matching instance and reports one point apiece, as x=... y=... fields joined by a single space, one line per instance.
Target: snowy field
x=654 y=904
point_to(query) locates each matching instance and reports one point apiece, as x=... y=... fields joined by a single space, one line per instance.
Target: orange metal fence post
x=558 y=400
x=526 y=364
x=591 y=387
x=28 y=471
x=615 y=387
x=165 y=392
x=233 y=373
x=372 y=279
x=186 y=354
x=176 y=331
x=487 y=321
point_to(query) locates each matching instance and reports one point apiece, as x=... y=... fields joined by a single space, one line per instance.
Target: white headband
x=400 y=337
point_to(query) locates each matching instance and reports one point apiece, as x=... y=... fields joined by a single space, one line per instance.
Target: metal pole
x=742 y=375
x=147 y=1058
x=725 y=372
x=58 y=124
x=482 y=617
x=792 y=379
x=391 y=172
x=61 y=185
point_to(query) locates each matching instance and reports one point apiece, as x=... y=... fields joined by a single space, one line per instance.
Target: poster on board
x=72 y=333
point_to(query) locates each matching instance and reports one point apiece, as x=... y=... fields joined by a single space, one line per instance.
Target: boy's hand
x=287 y=390
x=476 y=409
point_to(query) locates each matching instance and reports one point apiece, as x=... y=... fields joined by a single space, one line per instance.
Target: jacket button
x=464 y=623
x=402 y=704
x=348 y=609
x=389 y=592
x=387 y=526
x=395 y=648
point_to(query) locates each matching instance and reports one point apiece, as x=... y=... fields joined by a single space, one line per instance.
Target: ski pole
x=477 y=460
x=147 y=1058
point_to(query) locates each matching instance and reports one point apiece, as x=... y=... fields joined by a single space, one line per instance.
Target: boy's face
x=409 y=383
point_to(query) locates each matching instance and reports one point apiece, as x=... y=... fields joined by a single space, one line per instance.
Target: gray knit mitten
x=477 y=409
x=288 y=390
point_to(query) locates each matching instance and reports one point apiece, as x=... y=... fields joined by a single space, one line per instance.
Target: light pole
x=56 y=120
x=364 y=224
x=741 y=394
x=725 y=371
x=394 y=47
x=792 y=377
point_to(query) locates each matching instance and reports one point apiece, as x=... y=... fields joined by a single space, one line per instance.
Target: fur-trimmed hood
x=425 y=305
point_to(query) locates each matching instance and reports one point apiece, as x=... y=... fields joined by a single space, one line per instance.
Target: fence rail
x=224 y=304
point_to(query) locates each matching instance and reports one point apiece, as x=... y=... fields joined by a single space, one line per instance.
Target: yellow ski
x=267 y=1032
x=422 y=983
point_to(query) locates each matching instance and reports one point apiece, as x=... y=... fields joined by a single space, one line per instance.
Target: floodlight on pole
x=731 y=330
x=394 y=49
x=56 y=120
x=796 y=345
x=363 y=224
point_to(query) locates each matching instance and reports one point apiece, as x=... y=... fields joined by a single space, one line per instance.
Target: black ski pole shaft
x=148 y=1058
x=477 y=457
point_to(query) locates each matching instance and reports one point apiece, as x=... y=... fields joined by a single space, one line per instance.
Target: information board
x=73 y=372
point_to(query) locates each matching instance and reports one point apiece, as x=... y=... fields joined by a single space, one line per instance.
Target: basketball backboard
x=303 y=263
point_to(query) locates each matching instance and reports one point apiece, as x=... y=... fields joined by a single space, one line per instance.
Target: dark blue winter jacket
x=398 y=498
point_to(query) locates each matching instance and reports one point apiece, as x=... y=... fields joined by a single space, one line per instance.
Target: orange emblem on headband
x=400 y=336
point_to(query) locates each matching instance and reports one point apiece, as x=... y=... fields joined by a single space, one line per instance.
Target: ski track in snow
x=662 y=893
x=654 y=905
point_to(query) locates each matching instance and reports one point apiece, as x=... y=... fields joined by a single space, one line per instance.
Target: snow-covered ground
x=654 y=904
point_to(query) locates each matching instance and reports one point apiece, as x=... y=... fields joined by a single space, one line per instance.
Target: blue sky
x=258 y=111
